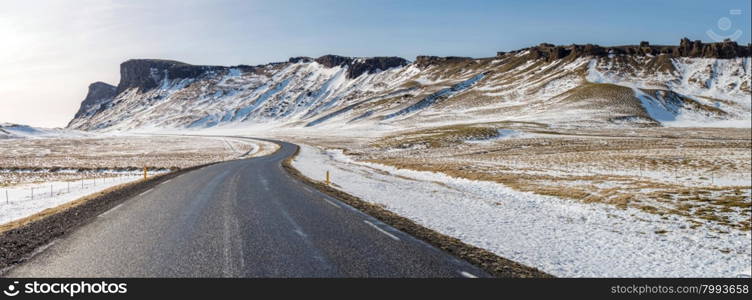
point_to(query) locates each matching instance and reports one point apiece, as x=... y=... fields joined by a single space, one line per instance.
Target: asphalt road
x=242 y=218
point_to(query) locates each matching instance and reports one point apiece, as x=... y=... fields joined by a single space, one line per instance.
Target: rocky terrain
x=99 y=92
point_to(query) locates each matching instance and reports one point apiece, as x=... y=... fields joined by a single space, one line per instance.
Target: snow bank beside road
x=563 y=238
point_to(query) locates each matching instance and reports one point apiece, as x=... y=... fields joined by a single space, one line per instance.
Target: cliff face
x=143 y=74
x=725 y=49
x=359 y=66
x=374 y=64
x=424 y=61
x=331 y=61
x=146 y=74
x=99 y=93
x=686 y=48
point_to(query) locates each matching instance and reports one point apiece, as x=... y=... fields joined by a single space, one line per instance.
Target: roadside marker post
x=145 y=172
x=328 y=178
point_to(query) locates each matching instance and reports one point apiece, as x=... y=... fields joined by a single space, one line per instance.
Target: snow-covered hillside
x=690 y=92
x=569 y=86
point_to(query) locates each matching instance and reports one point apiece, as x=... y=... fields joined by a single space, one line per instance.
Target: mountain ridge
x=303 y=91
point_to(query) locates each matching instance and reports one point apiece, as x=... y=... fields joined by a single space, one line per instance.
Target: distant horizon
x=52 y=55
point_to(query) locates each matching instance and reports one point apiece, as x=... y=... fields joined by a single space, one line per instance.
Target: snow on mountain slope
x=580 y=85
x=688 y=92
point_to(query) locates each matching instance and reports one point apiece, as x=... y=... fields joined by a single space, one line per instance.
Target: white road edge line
x=111 y=210
x=42 y=248
x=166 y=181
x=330 y=202
x=382 y=230
x=146 y=191
x=468 y=275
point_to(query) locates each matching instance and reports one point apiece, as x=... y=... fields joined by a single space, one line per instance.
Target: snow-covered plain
x=561 y=237
x=105 y=160
x=16 y=202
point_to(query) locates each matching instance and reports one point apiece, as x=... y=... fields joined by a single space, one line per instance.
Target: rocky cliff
x=686 y=48
x=358 y=66
x=424 y=61
x=146 y=74
x=99 y=93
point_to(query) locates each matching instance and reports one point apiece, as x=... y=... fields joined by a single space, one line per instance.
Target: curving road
x=242 y=218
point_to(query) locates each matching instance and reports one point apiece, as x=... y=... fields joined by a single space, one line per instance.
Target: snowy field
x=21 y=201
x=40 y=173
x=702 y=174
x=57 y=159
x=562 y=237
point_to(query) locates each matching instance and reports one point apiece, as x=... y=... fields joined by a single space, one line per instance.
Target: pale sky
x=50 y=51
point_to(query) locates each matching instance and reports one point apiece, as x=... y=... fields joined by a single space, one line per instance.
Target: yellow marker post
x=145 y=170
x=328 y=179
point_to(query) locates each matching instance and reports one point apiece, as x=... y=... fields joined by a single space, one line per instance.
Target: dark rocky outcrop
x=359 y=66
x=298 y=59
x=374 y=64
x=146 y=74
x=686 y=48
x=143 y=74
x=725 y=49
x=549 y=52
x=331 y=61
x=423 y=61
x=99 y=93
